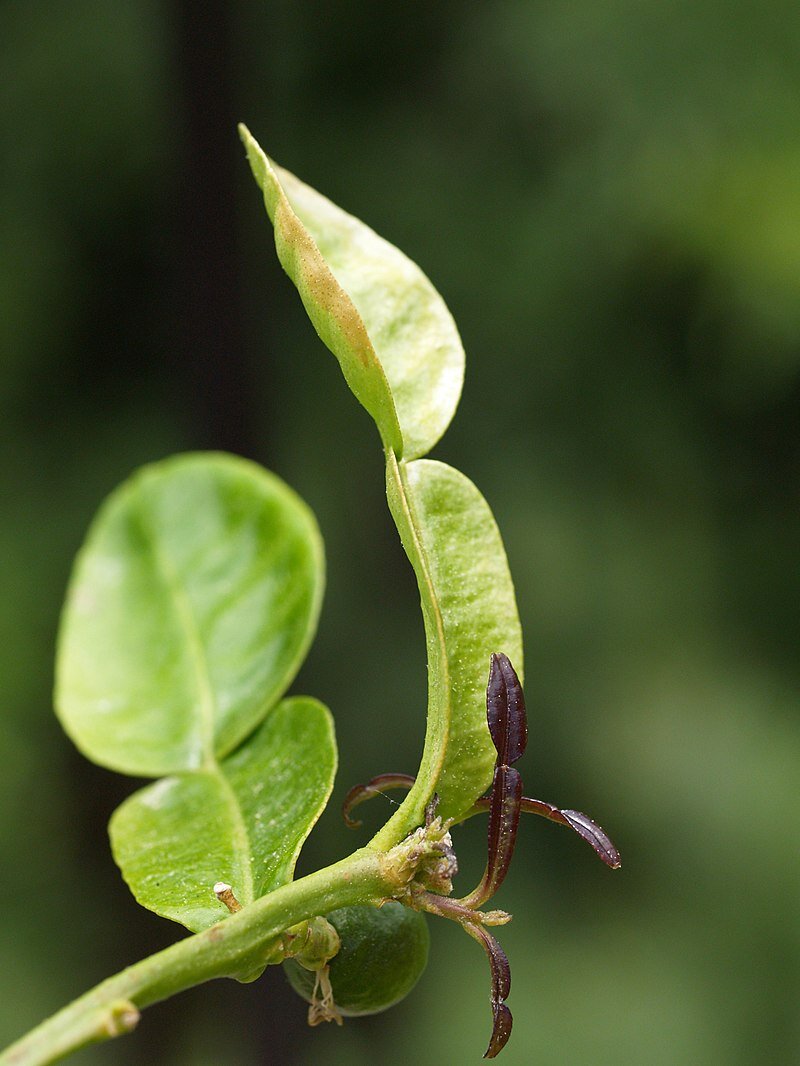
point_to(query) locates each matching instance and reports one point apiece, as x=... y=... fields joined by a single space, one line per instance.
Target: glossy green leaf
x=374 y=308
x=469 y=609
x=191 y=606
x=243 y=822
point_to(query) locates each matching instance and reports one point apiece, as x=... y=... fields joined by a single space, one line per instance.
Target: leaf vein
x=179 y=598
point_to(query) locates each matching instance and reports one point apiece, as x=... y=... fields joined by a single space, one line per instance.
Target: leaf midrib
x=410 y=810
x=181 y=604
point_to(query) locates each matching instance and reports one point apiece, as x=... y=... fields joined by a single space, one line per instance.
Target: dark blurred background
x=608 y=197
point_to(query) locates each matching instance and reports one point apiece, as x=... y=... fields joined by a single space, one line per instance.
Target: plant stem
x=237 y=947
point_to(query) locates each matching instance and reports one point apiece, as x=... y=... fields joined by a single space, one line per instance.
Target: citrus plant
x=190 y=609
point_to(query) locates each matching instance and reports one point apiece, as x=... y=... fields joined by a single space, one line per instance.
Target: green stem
x=236 y=947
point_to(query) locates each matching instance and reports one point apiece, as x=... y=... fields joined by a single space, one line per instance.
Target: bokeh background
x=608 y=197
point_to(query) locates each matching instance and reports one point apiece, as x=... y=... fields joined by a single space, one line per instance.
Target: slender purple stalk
x=358 y=794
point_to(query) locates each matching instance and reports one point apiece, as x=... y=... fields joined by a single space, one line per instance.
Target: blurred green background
x=608 y=197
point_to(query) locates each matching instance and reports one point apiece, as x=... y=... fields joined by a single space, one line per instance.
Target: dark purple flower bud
x=582 y=824
x=503 y=823
x=501 y=986
x=597 y=837
x=505 y=711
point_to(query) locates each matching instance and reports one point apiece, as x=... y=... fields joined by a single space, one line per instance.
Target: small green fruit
x=383 y=953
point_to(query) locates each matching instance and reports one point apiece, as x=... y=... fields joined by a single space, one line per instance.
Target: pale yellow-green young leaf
x=392 y=333
x=470 y=611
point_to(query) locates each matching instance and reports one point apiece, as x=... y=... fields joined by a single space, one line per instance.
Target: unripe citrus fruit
x=382 y=955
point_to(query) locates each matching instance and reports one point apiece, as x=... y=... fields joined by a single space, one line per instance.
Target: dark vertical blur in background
x=608 y=197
